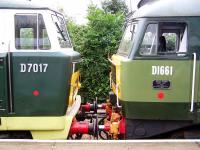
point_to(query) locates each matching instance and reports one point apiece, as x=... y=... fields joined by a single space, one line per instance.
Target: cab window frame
x=63 y=36
x=143 y=35
x=132 y=41
x=178 y=51
x=38 y=35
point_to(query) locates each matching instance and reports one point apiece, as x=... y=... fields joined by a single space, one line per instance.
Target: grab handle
x=193 y=82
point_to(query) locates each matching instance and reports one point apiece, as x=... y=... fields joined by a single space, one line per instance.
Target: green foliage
x=171 y=41
x=95 y=42
x=27 y=38
x=77 y=34
x=114 y=6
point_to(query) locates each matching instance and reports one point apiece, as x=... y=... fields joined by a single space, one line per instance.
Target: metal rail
x=10 y=81
x=193 y=82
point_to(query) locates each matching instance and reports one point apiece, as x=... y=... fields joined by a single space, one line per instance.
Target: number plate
x=29 y=67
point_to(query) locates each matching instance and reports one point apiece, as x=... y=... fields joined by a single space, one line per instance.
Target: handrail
x=193 y=82
x=11 y=103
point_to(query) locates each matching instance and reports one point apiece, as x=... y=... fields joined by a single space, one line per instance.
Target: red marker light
x=36 y=93
x=160 y=95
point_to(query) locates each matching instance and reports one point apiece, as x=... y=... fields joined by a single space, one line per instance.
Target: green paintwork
x=140 y=98
x=142 y=90
x=53 y=84
x=3 y=84
x=157 y=111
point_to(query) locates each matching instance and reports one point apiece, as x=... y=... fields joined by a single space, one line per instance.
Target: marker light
x=36 y=93
x=160 y=95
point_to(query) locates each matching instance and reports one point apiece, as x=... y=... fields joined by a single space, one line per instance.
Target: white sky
x=76 y=9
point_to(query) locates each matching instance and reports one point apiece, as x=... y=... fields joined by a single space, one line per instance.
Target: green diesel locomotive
x=155 y=73
x=38 y=74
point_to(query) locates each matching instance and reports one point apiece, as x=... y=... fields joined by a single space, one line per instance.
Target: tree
x=114 y=6
x=95 y=42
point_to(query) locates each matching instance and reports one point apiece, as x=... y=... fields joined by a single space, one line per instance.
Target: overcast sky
x=76 y=9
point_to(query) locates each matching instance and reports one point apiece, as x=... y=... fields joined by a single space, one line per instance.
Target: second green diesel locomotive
x=155 y=73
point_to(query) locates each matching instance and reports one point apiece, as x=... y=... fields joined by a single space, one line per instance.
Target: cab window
x=149 y=44
x=128 y=39
x=165 y=38
x=30 y=32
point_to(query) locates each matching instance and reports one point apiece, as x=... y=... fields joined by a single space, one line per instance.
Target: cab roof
x=169 y=8
x=20 y=4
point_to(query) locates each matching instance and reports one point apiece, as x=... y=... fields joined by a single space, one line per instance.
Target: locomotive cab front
x=37 y=62
x=154 y=73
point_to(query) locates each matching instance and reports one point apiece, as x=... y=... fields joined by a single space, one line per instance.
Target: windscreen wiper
x=60 y=31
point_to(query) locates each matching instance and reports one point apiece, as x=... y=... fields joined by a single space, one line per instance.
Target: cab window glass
x=128 y=39
x=149 y=44
x=171 y=39
x=44 y=42
x=26 y=40
x=30 y=32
